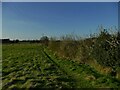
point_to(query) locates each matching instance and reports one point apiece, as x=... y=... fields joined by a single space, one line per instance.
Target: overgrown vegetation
x=68 y=62
x=106 y=50
x=33 y=66
x=103 y=48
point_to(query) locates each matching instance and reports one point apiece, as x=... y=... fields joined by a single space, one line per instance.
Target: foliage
x=106 y=50
x=44 y=40
x=69 y=49
x=66 y=47
x=34 y=66
x=54 y=44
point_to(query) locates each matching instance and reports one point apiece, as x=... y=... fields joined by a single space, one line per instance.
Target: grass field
x=34 y=66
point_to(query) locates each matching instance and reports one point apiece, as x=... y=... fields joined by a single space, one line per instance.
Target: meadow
x=69 y=63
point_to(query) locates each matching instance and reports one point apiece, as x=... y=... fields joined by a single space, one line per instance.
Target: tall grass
x=102 y=48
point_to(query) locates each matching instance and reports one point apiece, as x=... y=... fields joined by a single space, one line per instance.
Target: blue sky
x=30 y=20
x=1 y=20
x=60 y=0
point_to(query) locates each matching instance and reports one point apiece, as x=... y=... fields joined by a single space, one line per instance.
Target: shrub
x=66 y=47
x=106 y=50
x=44 y=40
x=69 y=49
x=54 y=45
x=83 y=52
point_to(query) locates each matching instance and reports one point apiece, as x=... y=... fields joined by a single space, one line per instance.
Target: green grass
x=26 y=66
x=84 y=75
x=33 y=66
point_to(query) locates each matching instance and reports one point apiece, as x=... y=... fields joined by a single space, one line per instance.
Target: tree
x=44 y=40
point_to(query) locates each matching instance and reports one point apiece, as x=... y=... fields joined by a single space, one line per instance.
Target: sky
x=1 y=20
x=31 y=20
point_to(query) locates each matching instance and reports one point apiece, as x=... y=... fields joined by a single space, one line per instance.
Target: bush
x=54 y=45
x=66 y=47
x=106 y=50
x=69 y=49
x=83 y=52
x=44 y=40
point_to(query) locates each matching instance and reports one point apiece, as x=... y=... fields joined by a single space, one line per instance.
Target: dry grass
x=99 y=68
x=100 y=51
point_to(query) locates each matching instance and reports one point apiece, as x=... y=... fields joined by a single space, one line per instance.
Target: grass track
x=84 y=75
x=27 y=66
x=32 y=66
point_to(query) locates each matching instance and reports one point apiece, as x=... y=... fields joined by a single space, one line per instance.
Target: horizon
x=31 y=20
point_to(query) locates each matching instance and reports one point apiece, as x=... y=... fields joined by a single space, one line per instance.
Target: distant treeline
x=44 y=40
x=18 y=41
x=8 y=41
